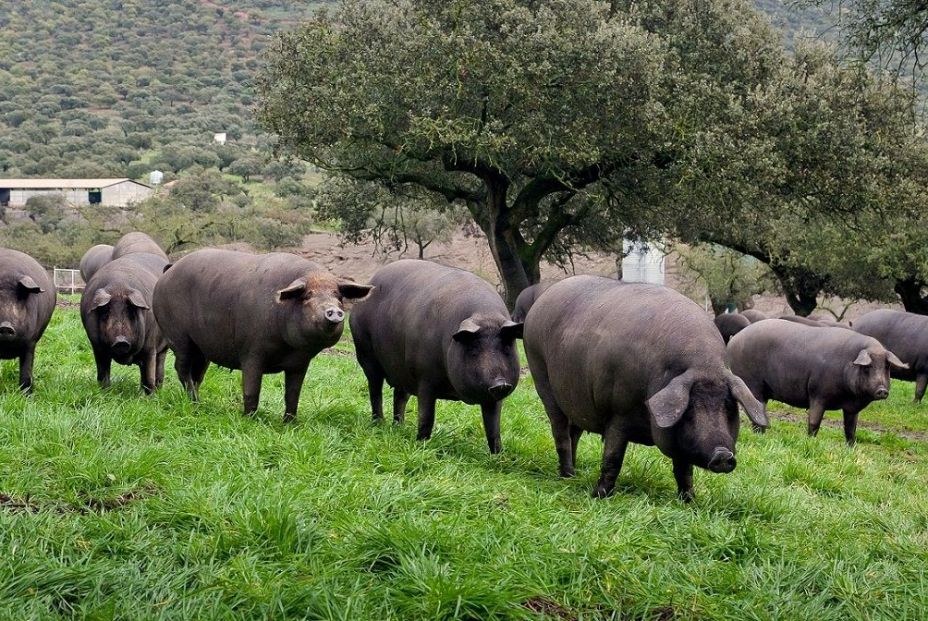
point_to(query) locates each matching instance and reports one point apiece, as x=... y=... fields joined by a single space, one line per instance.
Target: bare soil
x=473 y=254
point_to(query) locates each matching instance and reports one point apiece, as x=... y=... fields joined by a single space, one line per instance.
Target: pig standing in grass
x=525 y=300
x=134 y=242
x=94 y=259
x=116 y=313
x=437 y=333
x=266 y=313
x=904 y=334
x=635 y=363
x=819 y=368
x=27 y=300
x=730 y=324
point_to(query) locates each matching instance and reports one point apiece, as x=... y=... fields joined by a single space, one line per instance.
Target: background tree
x=245 y=167
x=393 y=221
x=539 y=117
x=730 y=279
x=823 y=148
x=46 y=210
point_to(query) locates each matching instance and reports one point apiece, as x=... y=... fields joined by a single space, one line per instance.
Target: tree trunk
x=507 y=246
x=801 y=289
x=910 y=293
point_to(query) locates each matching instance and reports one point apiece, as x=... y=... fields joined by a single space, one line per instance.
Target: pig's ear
x=137 y=300
x=894 y=361
x=101 y=297
x=668 y=404
x=28 y=285
x=467 y=331
x=863 y=359
x=755 y=410
x=296 y=289
x=511 y=330
x=354 y=291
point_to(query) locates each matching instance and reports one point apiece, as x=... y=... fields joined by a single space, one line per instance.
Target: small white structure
x=155 y=177
x=643 y=262
x=118 y=192
x=67 y=279
x=219 y=138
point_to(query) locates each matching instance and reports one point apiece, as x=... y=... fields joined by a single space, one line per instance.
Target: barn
x=117 y=192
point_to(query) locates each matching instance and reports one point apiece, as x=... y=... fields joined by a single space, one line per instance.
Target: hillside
x=94 y=88
x=118 y=87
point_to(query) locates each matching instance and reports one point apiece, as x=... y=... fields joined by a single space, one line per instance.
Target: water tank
x=155 y=177
x=643 y=262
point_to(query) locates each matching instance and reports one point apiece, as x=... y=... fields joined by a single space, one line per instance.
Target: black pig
x=267 y=313
x=116 y=313
x=437 y=333
x=635 y=363
x=27 y=301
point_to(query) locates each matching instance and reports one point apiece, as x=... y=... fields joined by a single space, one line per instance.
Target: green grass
x=120 y=506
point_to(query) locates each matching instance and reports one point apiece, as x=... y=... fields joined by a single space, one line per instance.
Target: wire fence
x=68 y=281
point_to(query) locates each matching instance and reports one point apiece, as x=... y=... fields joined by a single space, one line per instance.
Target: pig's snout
x=335 y=315
x=121 y=346
x=501 y=389
x=882 y=392
x=7 y=329
x=722 y=460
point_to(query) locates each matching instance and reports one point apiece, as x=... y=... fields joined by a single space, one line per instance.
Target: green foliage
x=98 y=85
x=550 y=121
x=729 y=278
x=46 y=210
x=392 y=221
x=247 y=166
x=118 y=505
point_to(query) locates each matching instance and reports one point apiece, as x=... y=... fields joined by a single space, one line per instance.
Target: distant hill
x=97 y=88
x=87 y=87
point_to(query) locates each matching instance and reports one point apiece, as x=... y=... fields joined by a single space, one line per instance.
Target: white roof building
x=115 y=192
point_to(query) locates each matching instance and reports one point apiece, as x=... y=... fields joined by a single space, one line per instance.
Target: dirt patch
x=467 y=252
x=908 y=434
x=340 y=353
x=90 y=505
x=548 y=607
x=64 y=303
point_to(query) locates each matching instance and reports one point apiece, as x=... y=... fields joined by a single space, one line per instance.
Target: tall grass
x=117 y=505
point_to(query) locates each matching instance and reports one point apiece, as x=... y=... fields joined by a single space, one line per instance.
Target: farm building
x=111 y=192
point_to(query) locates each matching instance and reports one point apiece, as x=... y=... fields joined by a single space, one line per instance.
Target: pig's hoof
x=289 y=418
x=686 y=495
x=566 y=474
x=601 y=491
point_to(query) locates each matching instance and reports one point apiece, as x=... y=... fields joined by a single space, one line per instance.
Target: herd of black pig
x=631 y=362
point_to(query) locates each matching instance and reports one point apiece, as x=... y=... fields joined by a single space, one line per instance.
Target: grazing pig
x=754 y=315
x=27 y=300
x=635 y=363
x=814 y=323
x=819 y=368
x=904 y=334
x=437 y=333
x=525 y=301
x=116 y=313
x=730 y=324
x=94 y=259
x=137 y=242
x=267 y=313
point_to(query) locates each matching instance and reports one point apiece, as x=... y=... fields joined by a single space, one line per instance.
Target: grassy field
x=115 y=505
